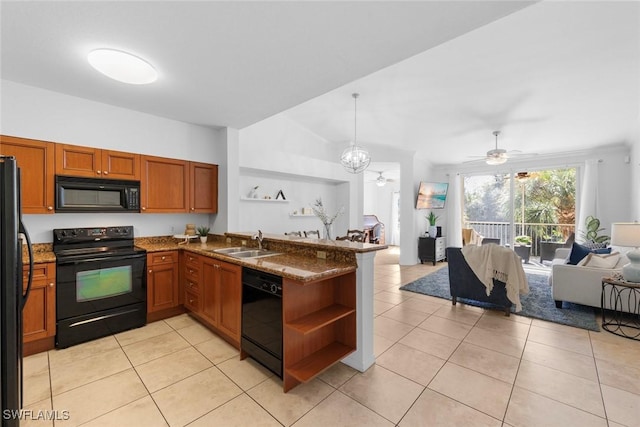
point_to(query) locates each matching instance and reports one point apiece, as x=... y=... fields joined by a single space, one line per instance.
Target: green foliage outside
x=549 y=198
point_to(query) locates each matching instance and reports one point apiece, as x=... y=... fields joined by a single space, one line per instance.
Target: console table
x=431 y=249
x=620 y=306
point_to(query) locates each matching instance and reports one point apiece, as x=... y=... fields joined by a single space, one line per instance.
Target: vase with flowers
x=327 y=220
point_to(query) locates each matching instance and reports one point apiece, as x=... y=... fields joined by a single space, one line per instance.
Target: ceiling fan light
x=381 y=181
x=497 y=160
x=122 y=66
x=355 y=159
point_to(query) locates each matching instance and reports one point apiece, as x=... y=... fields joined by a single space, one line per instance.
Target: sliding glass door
x=538 y=204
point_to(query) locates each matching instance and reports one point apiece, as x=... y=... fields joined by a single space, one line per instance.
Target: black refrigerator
x=12 y=298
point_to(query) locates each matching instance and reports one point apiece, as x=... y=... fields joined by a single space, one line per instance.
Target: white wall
x=31 y=112
x=277 y=153
x=634 y=160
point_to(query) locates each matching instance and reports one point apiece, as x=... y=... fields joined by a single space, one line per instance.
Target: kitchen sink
x=228 y=251
x=257 y=253
x=240 y=252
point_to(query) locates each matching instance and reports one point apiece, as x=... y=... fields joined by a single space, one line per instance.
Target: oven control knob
x=274 y=289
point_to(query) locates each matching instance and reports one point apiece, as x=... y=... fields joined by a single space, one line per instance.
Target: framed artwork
x=432 y=195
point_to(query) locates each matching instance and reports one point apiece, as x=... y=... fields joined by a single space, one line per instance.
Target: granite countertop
x=299 y=265
x=297 y=260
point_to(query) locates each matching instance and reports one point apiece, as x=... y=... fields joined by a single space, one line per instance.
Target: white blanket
x=490 y=262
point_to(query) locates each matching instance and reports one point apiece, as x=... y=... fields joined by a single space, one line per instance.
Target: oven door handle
x=107 y=258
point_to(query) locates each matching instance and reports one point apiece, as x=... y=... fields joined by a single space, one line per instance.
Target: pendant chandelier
x=354 y=158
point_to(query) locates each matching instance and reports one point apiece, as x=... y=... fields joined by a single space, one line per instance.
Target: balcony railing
x=537 y=231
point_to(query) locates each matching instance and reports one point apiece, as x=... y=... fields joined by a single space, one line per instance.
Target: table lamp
x=628 y=234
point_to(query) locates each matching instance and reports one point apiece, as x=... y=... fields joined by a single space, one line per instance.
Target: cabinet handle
x=98 y=172
x=143 y=208
x=51 y=285
x=49 y=208
x=150 y=271
x=193 y=209
x=163 y=258
x=106 y=172
x=190 y=301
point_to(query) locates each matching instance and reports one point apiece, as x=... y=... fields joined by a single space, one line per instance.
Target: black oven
x=74 y=194
x=262 y=318
x=100 y=283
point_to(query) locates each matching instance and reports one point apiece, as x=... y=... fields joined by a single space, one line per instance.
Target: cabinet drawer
x=192 y=260
x=40 y=271
x=192 y=273
x=192 y=286
x=191 y=301
x=440 y=243
x=163 y=257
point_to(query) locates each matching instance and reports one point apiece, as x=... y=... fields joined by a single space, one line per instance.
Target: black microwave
x=74 y=194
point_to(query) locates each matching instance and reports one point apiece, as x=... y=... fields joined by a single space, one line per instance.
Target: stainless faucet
x=258 y=237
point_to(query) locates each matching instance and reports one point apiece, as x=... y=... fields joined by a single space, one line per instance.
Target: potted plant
x=592 y=228
x=523 y=247
x=433 y=230
x=203 y=232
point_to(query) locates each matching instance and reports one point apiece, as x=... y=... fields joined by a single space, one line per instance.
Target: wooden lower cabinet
x=215 y=296
x=39 y=313
x=319 y=326
x=162 y=281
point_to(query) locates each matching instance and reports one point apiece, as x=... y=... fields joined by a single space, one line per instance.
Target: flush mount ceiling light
x=381 y=180
x=122 y=66
x=354 y=158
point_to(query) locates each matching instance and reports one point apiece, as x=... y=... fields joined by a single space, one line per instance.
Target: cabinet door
x=203 y=192
x=164 y=185
x=162 y=287
x=36 y=162
x=120 y=165
x=39 y=313
x=75 y=160
x=209 y=291
x=230 y=291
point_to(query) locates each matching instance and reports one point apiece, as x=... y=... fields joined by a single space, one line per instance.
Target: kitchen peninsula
x=327 y=296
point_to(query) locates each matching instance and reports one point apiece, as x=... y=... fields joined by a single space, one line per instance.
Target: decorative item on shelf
x=280 y=193
x=354 y=158
x=253 y=193
x=319 y=211
x=203 y=231
x=627 y=234
x=190 y=230
x=433 y=230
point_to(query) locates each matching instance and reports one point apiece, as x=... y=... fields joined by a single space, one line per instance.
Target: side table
x=620 y=306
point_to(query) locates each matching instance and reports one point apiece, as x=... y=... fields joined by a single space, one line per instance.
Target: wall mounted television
x=432 y=195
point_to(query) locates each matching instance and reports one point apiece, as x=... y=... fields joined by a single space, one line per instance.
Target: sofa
x=464 y=283
x=579 y=284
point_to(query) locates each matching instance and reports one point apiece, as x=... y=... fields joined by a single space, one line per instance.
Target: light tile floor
x=437 y=365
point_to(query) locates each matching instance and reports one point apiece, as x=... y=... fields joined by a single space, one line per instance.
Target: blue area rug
x=538 y=303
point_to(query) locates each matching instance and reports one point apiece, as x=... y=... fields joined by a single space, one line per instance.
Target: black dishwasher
x=262 y=318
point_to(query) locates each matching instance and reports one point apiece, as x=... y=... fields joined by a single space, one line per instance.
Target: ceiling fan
x=498 y=156
x=381 y=180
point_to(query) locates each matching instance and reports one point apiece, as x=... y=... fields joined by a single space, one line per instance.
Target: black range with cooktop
x=101 y=283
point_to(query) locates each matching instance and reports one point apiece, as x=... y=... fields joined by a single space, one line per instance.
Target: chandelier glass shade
x=354 y=158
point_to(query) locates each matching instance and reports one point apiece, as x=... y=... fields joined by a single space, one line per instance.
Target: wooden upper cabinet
x=203 y=191
x=75 y=160
x=36 y=161
x=120 y=165
x=164 y=185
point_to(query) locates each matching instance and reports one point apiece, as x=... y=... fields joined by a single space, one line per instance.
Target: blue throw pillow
x=579 y=251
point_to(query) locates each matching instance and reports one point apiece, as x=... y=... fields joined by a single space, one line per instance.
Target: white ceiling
x=552 y=75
